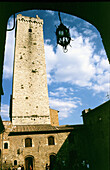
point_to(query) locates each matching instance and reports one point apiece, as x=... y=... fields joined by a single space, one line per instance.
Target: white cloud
x=102 y=52
x=63 y=101
x=47 y=41
x=65 y=107
x=104 y=64
x=54 y=93
x=5 y=111
x=51 y=60
x=96 y=58
x=89 y=33
x=72 y=90
x=59 y=92
x=75 y=66
x=79 y=66
x=74 y=32
x=102 y=88
x=102 y=82
x=69 y=18
x=50 y=12
x=62 y=89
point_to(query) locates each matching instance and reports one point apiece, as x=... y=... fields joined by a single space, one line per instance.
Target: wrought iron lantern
x=63 y=35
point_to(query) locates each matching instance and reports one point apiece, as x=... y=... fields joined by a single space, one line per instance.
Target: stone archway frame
x=52 y=153
x=29 y=156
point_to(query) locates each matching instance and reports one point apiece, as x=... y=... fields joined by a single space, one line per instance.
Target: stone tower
x=30 y=103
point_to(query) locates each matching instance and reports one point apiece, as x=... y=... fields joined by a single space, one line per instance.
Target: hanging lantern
x=63 y=35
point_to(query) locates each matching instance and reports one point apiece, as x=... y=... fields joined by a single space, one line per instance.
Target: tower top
x=36 y=20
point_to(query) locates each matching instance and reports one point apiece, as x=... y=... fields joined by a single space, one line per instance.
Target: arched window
x=51 y=140
x=5 y=145
x=15 y=162
x=28 y=142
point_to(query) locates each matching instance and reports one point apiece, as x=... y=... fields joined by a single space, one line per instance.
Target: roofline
x=90 y=110
x=54 y=109
x=39 y=132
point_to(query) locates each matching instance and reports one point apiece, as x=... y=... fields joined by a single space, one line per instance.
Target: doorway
x=29 y=163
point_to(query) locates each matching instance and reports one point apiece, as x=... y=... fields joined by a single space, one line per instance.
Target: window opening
x=15 y=162
x=28 y=142
x=30 y=30
x=6 y=145
x=51 y=140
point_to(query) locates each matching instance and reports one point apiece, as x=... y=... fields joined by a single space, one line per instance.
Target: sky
x=78 y=79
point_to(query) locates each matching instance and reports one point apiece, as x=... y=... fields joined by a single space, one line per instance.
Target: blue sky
x=78 y=79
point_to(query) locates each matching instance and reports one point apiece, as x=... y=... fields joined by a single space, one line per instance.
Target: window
x=5 y=145
x=28 y=142
x=51 y=140
x=15 y=162
x=30 y=30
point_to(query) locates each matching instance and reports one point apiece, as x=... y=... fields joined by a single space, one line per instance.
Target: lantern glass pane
x=61 y=32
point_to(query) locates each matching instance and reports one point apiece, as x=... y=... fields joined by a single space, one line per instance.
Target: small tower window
x=5 y=145
x=30 y=30
x=15 y=162
x=28 y=142
x=51 y=140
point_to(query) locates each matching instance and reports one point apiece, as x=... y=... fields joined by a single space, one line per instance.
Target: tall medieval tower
x=30 y=103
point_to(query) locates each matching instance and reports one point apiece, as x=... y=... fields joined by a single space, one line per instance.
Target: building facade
x=31 y=144
x=97 y=123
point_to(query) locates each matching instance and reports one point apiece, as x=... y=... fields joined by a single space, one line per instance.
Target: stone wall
x=30 y=103
x=97 y=122
x=54 y=117
x=40 y=150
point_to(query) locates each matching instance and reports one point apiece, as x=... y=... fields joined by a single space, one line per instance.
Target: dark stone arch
x=52 y=160
x=29 y=161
